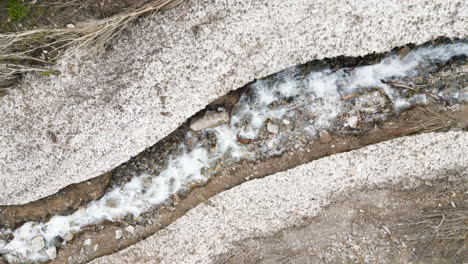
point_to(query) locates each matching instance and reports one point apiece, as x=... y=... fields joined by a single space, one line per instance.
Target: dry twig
x=399 y=85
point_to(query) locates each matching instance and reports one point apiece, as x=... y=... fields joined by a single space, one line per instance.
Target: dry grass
x=442 y=225
x=21 y=52
x=432 y=121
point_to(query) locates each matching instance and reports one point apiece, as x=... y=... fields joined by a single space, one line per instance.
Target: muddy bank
x=65 y=201
x=394 y=224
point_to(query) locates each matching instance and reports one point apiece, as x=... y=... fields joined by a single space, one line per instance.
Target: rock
x=96 y=247
x=464 y=68
x=57 y=241
x=325 y=136
x=70 y=26
x=51 y=252
x=130 y=229
x=111 y=203
x=272 y=128
x=243 y=140
x=68 y=237
x=404 y=51
x=87 y=242
x=452 y=178
x=2 y=244
x=147 y=183
x=37 y=243
x=118 y=234
x=286 y=122
x=353 y=121
x=209 y=120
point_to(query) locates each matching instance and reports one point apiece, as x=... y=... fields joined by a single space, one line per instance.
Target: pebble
x=209 y=120
x=353 y=121
x=2 y=243
x=325 y=136
x=70 y=26
x=118 y=234
x=96 y=247
x=272 y=128
x=51 y=252
x=130 y=229
x=68 y=237
x=37 y=243
x=87 y=242
x=286 y=122
x=404 y=51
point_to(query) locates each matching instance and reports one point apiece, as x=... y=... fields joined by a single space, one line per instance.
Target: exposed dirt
x=63 y=202
x=58 y=13
x=428 y=224
x=102 y=239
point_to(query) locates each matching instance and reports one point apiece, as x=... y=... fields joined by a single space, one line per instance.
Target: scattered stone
x=209 y=120
x=2 y=243
x=325 y=136
x=130 y=229
x=96 y=247
x=70 y=26
x=272 y=128
x=118 y=234
x=353 y=121
x=56 y=241
x=147 y=183
x=37 y=243
x=243 y=140
x=286 y=122
x=51 y=252
x=87 y=242
x=452 y=178
x=112 y=203
x=68 y=237
x=404 y=51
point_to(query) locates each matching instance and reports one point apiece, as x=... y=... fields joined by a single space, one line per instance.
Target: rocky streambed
x=292 y=117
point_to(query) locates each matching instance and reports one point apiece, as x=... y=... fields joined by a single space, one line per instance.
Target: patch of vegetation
x=17 y=10
x=22 y=47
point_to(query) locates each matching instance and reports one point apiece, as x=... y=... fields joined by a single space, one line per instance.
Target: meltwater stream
x=271 y=107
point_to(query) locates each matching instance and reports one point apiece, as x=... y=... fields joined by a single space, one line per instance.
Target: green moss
x=17 y=10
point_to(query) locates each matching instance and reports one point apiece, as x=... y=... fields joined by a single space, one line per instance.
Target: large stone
x=37 y=243
x=51 y=252
x=58 y=130
x=209 y=120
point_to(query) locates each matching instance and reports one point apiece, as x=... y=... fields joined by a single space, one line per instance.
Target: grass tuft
x=17 y=10
x=21 y=51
